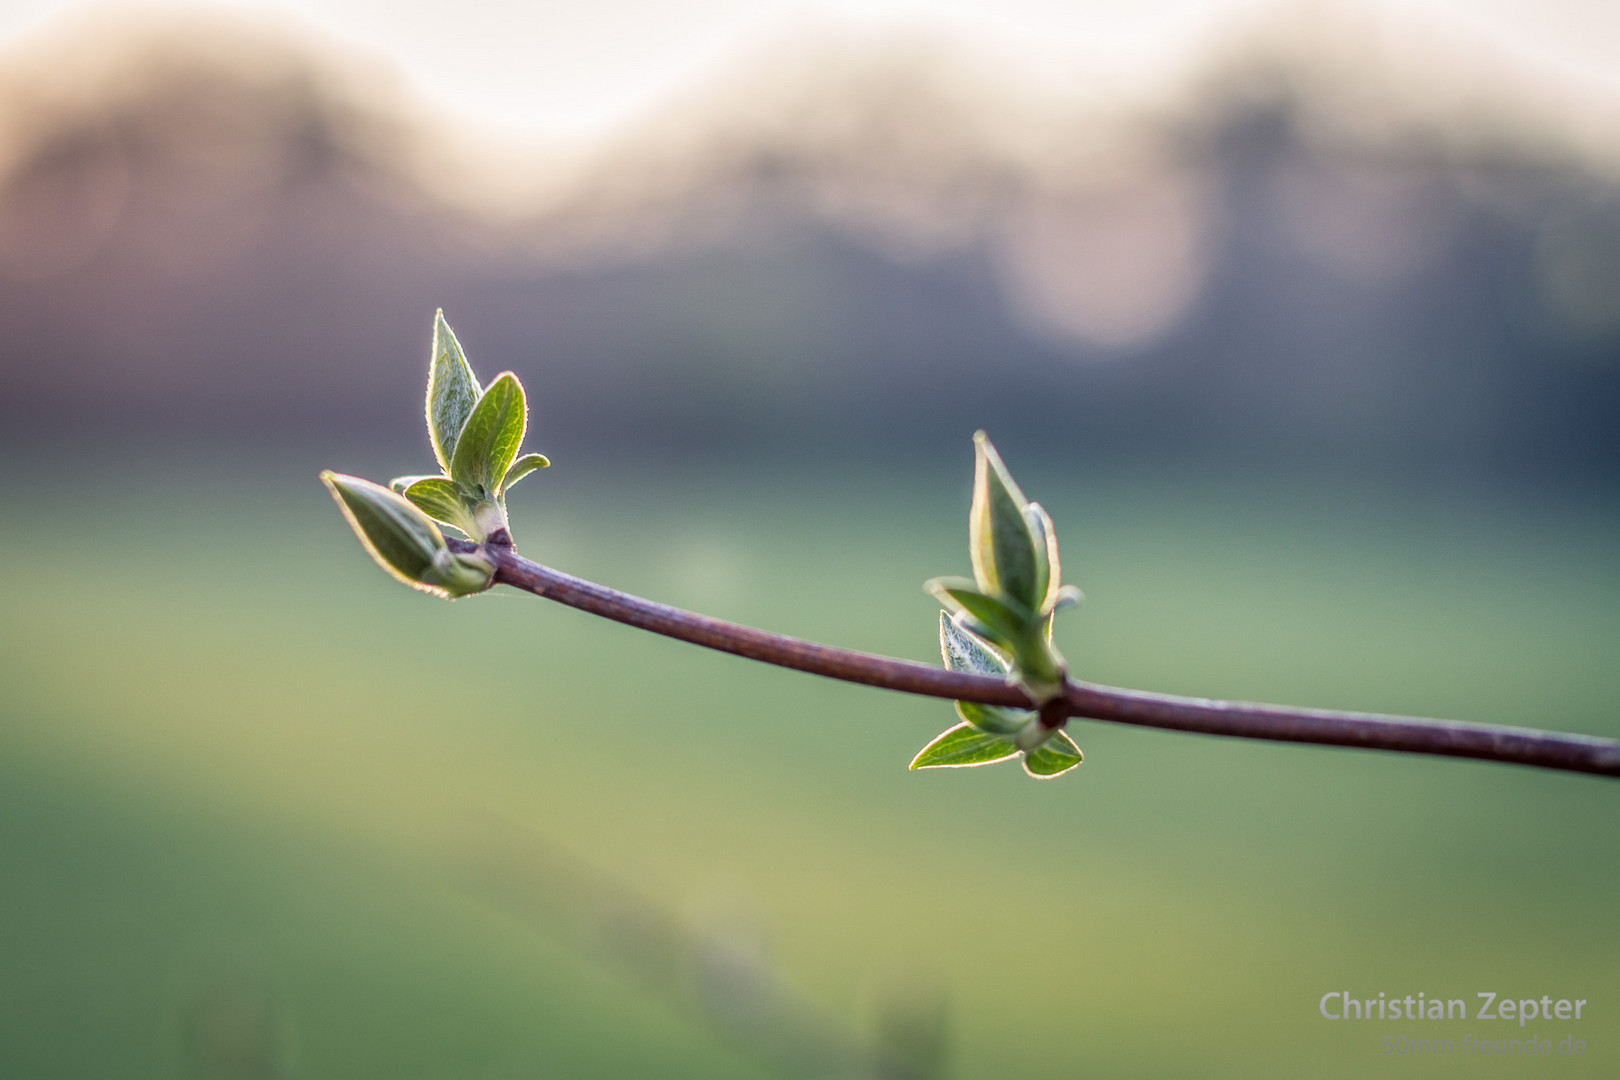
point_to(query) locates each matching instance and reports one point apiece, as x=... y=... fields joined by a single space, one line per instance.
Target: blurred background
x=1301 y=318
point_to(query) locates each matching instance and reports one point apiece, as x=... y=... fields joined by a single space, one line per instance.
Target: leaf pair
x=404 y=541
x=1017 y=579
x=1011 y=541
x=476 y=435
x=991 y=733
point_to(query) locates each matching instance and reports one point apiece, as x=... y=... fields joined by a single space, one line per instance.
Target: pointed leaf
x=1000 y=542
x=522 y=467
x=965 y=651
x=1054 y=757
x=1048 y=572
x=490 y=439
x=995 y=719
x=440 y=499
x=1003 y=618
x=452 y=391
x=402 y=539
x=400 y=483
x=961 y=747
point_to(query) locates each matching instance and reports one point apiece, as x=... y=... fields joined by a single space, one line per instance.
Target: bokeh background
x=1302 y=319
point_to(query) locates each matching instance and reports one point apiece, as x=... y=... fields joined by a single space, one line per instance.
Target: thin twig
x=1367 y=731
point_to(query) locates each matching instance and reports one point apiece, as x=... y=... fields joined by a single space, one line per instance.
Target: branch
x=1520 y=746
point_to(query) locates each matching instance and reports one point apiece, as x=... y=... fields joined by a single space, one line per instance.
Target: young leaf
x=1052 y=758
x=965 y=651
x=440 y=499
x=1004 y=618
x=400 y=483
x=1049 y=572
x=1000 y=542
x=491 y=437
x=452 y=392
x=522 y=467
x=402 y=539
x=961 y=747
x=995 y=719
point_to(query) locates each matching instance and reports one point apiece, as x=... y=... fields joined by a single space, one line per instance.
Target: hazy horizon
x=216 y=222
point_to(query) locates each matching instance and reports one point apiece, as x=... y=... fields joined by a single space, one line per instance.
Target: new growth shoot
x=1012 y=689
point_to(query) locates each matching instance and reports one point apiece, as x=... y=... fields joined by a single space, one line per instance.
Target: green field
x=254 y=794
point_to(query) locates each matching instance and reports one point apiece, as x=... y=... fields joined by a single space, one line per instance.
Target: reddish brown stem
x=1367 y=731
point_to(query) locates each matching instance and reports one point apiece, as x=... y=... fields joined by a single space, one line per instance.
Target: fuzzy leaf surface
x=964 y=650
x=452 y=391
x=441 y=500
x=489 y=442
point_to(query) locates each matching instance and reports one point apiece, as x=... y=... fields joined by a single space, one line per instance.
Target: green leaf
x=975 y=627
x=963 y=746
x=440 y=499
x=965 y=651
x=452 y=392
x=490 y=439
x=1001 y=544
x=1004 y=619
x=1056 y=756
x=1048 y=571
x=522 y=467
x=995 y=719
x=400 y=483
x=402 y=539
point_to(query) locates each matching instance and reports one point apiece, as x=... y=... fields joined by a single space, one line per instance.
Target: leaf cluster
x=477 y=436
x=991 y=733
x=999 y=623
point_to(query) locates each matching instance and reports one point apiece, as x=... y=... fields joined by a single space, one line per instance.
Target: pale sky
x=573 y=66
